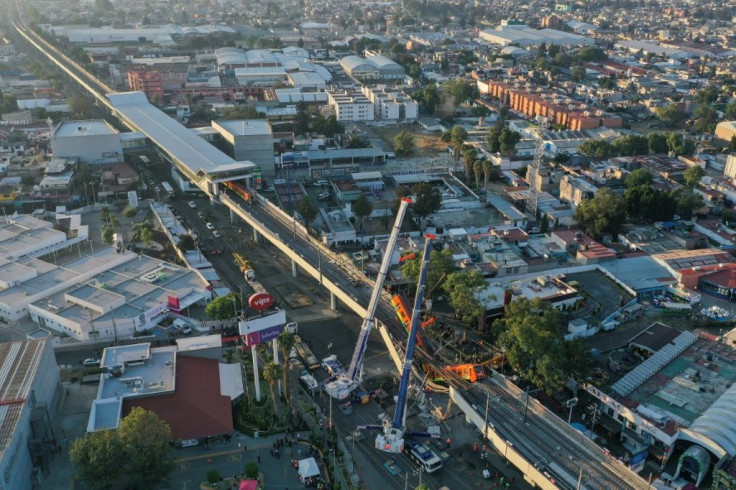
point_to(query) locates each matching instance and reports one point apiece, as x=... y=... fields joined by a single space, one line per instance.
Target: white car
x=210 y=226
x=192 y=204
x=216 y=234
x=91 y=362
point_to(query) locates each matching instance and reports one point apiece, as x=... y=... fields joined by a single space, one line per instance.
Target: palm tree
x=271 y=373
x=478 y=169
x=286 y=343
x=488 y=170
x=469 y=155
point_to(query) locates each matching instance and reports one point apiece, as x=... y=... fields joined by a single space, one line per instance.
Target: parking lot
x=598 y=288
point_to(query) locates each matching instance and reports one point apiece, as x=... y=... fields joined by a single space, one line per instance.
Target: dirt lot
x=426 y=144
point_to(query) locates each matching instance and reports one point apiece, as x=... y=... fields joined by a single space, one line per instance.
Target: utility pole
x=485 y=424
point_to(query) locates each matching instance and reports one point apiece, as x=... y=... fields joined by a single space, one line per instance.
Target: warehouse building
x=94 y=142
x=29 y=397
x=524 y=36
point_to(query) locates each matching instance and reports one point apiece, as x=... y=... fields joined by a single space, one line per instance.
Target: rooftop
x=196 y=155
x=18 y=365
x=246 y=127
x=84 y=128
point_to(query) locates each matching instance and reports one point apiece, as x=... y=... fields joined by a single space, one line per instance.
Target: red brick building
x=149 y=82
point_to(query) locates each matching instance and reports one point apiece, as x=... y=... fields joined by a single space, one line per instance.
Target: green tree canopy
x=461 y=89
x=730 y=112
x=679 y=145
x=404 y=144
x=242 y=111
x=670 y=115
x=640 y=176
x=600 y=149
x=428 y=199
x=328 y=126
x=591 y=53
x=440 y=265
x=307 y=209
x=222 y=307
x=507 y=141
x=693 y=175
x=186 y=242
x=531 y=333
x=577 y=73
x=135 y=455
x=459 y=287
x=657 y=142
x=631 y=145
x=603 y=214
x=706 y=119
x=707 y=95
x=362 y=208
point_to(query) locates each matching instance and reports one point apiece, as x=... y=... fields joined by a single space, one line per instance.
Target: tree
x=459 y=287
x=301 y=121
x=591 y=53
x=494 y=145
x=670 y=115
x=631 y=145
x=404 y=143
x=129 y=212
x=96 y=458
x=27 y=180
x=429 y=98
x=307 y=209
x=489 y=170
x=242 y=111
x=657 y=142
x=693 y=175
x=80 y=106
x=135 y=455
x=603 y=214
x=531 y=333
x=680 y=146
x=507 y=141
x=145 y=441
x=272 y=373
x=461 y=89
x=440 y=265
x=362 y=208
x=428 y=199
x=107 y=234
x=458 y=135
x=706 y=96
x=286 y=342
x=328 y=126
x=251 y=471
x=146 y=235
x=222 y=307
x=706 y=118
x=730 y=111
x=469 y=156
x=640 y=176
x=600 y=149
x=213 y=476
x=478 y=168
x=186 y=242
x=577 y=73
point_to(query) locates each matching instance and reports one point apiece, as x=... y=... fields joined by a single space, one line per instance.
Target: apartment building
x=350 y=105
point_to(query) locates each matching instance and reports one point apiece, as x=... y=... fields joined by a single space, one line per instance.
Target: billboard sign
x=262 y=329
x=260 y=301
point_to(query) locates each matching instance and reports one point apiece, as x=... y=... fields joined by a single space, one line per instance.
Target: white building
x=110 y=294
x=391 y=104
x=350 y=106
x=523 y=36
x=29 y=396
x=93 y=142
x=249 y=139
x=575 y=190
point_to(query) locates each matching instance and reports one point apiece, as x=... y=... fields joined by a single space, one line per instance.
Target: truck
x=245 y=267
x=310 y=361
x=423 y=456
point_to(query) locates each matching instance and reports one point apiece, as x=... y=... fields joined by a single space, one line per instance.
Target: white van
x=182 y=326
x=279 y=182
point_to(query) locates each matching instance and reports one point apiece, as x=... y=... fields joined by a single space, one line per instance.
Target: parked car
x=210 y=226
x=192 y=204
x=92 y=361
x=216 y=234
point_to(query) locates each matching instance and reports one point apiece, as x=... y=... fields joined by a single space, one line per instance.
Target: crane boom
x=346 y=382
x=400 y=414
x=392 y=438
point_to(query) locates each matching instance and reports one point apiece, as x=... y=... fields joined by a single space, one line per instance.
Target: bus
x=167 y=188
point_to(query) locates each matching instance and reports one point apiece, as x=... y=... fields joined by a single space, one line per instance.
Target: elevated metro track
x=541 y=445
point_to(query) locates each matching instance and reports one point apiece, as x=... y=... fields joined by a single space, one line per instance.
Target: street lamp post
x=526 y=400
